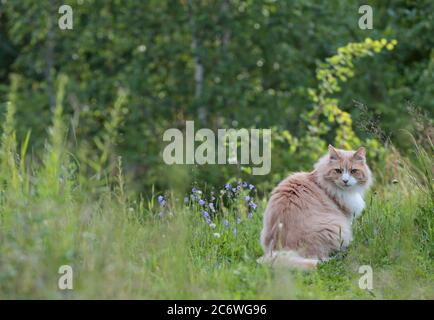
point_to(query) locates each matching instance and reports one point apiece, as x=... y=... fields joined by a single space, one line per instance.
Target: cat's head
x=345 y=169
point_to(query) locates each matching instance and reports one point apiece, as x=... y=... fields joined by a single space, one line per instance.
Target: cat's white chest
x=354 y=202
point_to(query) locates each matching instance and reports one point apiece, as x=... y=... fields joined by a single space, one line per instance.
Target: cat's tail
x=289 y=259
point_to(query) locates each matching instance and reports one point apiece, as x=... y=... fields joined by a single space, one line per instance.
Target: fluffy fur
x=309 y=214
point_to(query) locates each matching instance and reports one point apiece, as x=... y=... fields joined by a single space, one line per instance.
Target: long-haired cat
x=309 y=214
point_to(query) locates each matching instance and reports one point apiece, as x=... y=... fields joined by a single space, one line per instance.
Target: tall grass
x=122 y=245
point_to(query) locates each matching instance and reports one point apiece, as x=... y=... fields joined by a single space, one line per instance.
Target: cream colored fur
x=309 y=214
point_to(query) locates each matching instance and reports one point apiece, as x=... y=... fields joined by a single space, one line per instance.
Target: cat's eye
x=353 y=171
x=338 y=170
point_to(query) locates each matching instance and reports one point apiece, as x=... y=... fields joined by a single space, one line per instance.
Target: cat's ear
x=333 y=153
x=360 y=154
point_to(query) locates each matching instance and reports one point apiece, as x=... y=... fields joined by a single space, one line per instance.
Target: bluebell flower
x=247 y=198
x=194 y=190
x=186 y=200
x=228 y=186
x=244 y=184
x=238 y=188
x=253 y=205
x=211 y=206
x=208 y=220
x=161 y=200
x=205 y=214
x=251 y=186
x=234 y=190
x=201 y=202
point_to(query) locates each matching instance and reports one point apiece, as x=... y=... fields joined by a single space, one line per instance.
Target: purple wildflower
x=186 y=200
x=205 y=214
x=161 y=200
x=244 y=184
x=201 y=202
x=247 y=198
x=251 y=186
x=228 y=186
x=234 y=190
x=211 y=206
x=253 y=205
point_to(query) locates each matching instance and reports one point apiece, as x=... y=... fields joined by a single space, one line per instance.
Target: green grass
x=53 y=213
x=119 y=251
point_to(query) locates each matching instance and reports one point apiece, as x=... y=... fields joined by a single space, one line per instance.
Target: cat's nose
x=345 y=181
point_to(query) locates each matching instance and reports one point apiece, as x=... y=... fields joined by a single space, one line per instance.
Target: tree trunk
x=49 y=56
x=198 y=67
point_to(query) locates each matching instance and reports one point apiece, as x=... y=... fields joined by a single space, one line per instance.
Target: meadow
x=200 y=244
x=84 y=182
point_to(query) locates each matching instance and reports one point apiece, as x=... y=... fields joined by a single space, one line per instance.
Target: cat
x=309 y=214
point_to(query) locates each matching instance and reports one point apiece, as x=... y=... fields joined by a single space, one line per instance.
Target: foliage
x=82 y=181
x=260 y=63
x=123 y=246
